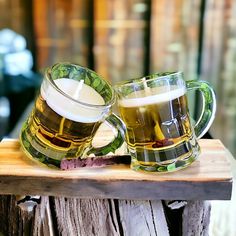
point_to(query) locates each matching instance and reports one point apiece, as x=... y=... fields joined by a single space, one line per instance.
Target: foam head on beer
x=149 y=96
x=68 y=102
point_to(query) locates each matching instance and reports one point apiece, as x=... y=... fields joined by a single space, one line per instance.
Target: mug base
x=161 y=168
x=166 y=166
x=34 y=154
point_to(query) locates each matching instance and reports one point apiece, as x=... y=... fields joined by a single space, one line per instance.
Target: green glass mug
x=159 y=133
x=72 y=104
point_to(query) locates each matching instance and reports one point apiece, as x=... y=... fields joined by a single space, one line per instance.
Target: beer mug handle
x=117 y=142
x=208 y=107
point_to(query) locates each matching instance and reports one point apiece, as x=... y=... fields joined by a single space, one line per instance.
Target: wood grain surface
x=207 y=178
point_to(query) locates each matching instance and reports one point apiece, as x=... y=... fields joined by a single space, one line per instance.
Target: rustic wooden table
x=110 y=200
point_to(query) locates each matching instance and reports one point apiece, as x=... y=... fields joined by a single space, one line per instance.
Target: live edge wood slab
x=207 y=178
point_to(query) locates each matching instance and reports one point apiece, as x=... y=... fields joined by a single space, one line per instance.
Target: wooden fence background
x=121 y=39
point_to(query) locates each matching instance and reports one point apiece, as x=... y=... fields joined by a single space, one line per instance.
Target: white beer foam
x=151 y=96
x=70 y=109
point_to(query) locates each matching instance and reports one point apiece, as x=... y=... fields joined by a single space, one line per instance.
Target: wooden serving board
x=207 y=178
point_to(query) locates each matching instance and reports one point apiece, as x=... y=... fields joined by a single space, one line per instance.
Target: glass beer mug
x=72 y=103
x=159 y=133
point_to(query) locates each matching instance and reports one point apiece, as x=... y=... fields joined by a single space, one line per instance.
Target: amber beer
x=158 y=125
x=59 y=129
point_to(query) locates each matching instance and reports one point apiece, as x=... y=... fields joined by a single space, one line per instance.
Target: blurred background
x=120 y=39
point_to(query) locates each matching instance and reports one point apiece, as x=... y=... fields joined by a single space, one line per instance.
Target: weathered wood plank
x=218 y=66
x=196 y=218
x=174 y=36
x=87 y=217
x=208 y=178
x=119 y=30
x=143 y=218
x=62 y=30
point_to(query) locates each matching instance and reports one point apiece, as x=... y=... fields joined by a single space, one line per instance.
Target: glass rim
x=48 y=76
x=150 y=78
